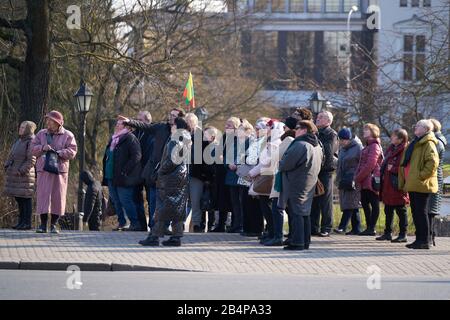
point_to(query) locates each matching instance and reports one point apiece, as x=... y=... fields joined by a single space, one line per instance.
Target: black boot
x=401 y=238
x=42 y=229
x=150 y=241
x=172 y=242
x=385 y=236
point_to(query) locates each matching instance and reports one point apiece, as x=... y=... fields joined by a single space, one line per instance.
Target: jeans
x=123 y=200
x=402 y=216
x=371 y=205
x=419 y=208
x=300 y=235
x=266 y=208
x=139 y=203
x=151 y=199
x=195 y=196
x=323 y=205
x=25 y=210
x=277 y=217
x=237 y=203
x=353 y=215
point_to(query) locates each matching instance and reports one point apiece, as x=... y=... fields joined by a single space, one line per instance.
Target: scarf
x=409 y=150
x=116 y=137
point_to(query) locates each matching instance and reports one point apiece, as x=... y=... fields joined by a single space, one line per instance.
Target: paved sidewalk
x=223 y=253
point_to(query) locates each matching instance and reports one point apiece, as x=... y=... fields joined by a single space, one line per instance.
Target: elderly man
x=324 y=204
x=299 y=169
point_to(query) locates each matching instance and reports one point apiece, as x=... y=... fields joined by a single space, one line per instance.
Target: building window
x=278 y=6
x=332 y=6
x=414 y=48
x=261 y=5
x=427 y=3
x=415 y=3
x=296 y=6
x=348 y=4
x=403 y=3
x=314 y=5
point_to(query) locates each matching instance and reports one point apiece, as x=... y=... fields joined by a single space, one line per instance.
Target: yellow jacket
x=422 y=167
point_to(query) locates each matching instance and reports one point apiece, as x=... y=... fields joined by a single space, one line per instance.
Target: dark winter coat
x=93 y=198
x=390 y=194
x=347 y=165
x=127 y=165
x=330 y=144
x=300 y=167
x=19 y=169
x=369 y=164
x=161 y=133
x=172 y=182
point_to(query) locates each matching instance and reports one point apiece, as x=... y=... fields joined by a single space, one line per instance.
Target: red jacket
x=369 y=164
x=389 y=194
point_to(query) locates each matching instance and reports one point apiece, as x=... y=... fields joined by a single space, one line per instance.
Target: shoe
x=250 y=234
x=262 y=236
x=120 y=228
x=41 y=229
x=286 y=242
x=307 y=246
x=150 y=241
x=294 y=248
x=17 y=225
x=339 y=231
x=273 y=243
x=53 y=229
x=416 y=245
x=384 y=237
x=315 y=234
x=24 y=227
x=324 y=234
x=399 y=239
x=198 y=229
x=218 y=229
x=367 y=232
x=172 y=242
x=134 y=228
x=231 y=230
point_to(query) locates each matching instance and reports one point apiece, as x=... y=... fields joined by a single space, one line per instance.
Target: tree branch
x=12 y=24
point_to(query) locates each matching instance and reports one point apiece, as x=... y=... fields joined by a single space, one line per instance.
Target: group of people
x=257 y=173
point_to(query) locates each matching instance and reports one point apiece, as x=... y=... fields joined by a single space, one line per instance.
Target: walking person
x=21 y=175
x=323 y=205
x=434 y=206
x=368 y=177
x=300 y=167
x=56 y=143
x=92 y=207
x=173 y=187
x=349 y=191
x=146 y=142
x=418 y=176
x=122 y=173
x=394 y=199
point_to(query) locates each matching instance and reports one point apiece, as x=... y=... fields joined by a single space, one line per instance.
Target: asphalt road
x=23 y=284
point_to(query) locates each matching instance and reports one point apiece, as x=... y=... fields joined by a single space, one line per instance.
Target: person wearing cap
x=349 y=193
x=51 y=188
x=20 y=174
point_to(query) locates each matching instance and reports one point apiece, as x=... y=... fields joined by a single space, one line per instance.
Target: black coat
x=94 y=196
x=146 y=140
x=329 y=139
x=127 y=165
x=161 y=133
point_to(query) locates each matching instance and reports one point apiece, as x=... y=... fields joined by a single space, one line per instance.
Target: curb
x=84 y=266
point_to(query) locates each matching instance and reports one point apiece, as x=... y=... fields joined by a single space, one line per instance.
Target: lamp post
x=353 y=9
x=317 y=103
x=83 y=101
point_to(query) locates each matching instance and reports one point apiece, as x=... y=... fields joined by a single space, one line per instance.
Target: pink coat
x=369 y=164
x=51 y=188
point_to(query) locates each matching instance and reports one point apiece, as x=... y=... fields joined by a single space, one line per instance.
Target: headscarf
x=116 y=137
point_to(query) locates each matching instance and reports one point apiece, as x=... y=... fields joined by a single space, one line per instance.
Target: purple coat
x=51 y=189
x=369 y=164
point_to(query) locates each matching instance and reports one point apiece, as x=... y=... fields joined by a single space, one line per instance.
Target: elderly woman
x=418 y=176
x=173 y=187
x=366 y=177
x=51 y=189
x=20 y=174
x=121 y=169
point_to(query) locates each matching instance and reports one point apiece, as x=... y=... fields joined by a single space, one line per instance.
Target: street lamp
x=317 y=102
x=83 y=100
x=353 y=9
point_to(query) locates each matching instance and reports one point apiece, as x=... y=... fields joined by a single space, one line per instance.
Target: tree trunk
x=34 y=82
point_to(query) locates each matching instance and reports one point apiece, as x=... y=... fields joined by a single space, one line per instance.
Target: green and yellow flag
x=188 y=94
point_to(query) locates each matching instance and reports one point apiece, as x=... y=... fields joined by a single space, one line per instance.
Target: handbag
x=263 y=184
x=320 y=189
x=376 y=183
x=347 y=183
x=51 y=159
